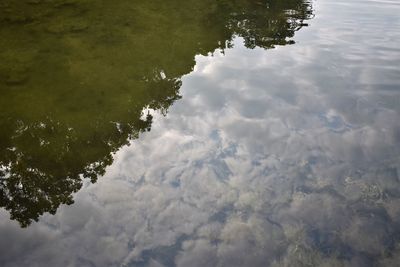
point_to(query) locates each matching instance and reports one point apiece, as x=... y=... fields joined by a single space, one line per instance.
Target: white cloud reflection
x=282 y=157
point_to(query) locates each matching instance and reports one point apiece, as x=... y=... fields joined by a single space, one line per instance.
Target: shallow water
x=199 y=133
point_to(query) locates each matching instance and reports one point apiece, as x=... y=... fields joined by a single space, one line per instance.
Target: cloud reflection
x=267 y=160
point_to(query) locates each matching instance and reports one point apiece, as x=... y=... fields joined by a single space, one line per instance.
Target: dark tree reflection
x=76 y=75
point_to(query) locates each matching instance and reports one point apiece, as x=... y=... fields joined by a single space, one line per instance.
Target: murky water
x=199 y=133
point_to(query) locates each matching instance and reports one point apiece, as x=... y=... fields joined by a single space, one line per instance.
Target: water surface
x=212 y=133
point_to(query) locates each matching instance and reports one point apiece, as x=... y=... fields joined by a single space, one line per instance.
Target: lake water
x=199 y=133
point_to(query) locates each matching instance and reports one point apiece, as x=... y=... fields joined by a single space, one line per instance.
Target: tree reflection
x=75 y=77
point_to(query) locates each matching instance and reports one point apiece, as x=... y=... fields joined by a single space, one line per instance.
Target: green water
x=77 y=75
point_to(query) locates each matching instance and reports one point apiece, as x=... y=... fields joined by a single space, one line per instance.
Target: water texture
x=199 y=133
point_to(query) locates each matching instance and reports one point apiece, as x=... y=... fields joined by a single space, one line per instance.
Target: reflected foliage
x=77 y=75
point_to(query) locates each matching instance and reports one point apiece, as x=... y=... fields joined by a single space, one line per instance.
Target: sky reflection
x=285 y=157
